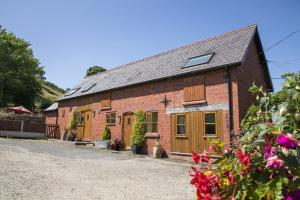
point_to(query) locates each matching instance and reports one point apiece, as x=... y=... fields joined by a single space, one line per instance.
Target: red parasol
x=20 y=109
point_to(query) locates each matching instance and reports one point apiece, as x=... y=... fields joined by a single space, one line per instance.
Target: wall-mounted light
x=120 y=118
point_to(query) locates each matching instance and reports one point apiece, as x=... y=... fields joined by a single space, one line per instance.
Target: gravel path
x=32 y=169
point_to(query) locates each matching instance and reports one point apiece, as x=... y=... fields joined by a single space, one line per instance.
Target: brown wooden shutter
x=106 y=101
x=194 y=88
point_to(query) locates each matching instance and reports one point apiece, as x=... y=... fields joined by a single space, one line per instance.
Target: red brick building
x=51 y=114
x=190 y=94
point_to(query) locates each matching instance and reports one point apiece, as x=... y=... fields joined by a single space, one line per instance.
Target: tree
x=94 y=70
x=21 y=75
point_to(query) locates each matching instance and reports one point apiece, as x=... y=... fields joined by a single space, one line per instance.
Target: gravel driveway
x=32 y=169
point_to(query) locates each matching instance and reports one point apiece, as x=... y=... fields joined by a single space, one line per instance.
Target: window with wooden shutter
x=106 y=101
x=194 y=88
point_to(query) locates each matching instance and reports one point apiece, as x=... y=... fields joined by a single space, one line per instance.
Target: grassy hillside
x=48 y=95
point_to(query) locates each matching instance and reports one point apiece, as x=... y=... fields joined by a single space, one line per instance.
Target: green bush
x=138 y=129
x=106 y=133
x=73 y=120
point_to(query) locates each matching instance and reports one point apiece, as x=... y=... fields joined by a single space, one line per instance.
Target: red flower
x=204 y=157
x=195 y=157
x=205 y=184
x=245 y=170
x=244 y=158
x=200 y=157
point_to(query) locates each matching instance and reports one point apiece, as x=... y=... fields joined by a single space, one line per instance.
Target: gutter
x=229 y=85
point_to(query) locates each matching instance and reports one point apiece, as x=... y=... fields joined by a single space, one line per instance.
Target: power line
x=282 y=62
x=277 y=43
x=277 y=65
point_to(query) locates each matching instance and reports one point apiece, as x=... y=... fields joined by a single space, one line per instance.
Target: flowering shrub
x=264 y=162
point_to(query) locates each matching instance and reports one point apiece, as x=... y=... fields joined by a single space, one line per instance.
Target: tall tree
x=94 y=70
x=20 y=72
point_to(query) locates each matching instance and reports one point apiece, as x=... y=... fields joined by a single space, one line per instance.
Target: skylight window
x=199 y=60
x=72 y=91
x=88 y=87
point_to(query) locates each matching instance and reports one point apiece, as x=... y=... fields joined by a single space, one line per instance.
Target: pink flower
x=293 y=196
x=275 y=162
x=287 y=141
x=269 y=151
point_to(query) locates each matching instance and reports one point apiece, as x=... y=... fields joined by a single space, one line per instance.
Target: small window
x=199 y=60
x=152 y=122
x=72 y=91
x=111 y=118
x=180 y=124
x=210 y=124
x=87 y=87
x=81 y=118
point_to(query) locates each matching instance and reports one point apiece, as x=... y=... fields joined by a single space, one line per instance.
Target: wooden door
x=87 y=125
x=128 y=120
x=195 y=138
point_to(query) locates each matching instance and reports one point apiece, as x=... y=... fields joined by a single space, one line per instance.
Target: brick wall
x=51 y=117
x=147 y=97
x=251 y=72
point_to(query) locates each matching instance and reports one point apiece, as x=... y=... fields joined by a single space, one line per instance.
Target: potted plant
x=117 y=144
x=72 y=126
x=104 y=143
x=138 y=133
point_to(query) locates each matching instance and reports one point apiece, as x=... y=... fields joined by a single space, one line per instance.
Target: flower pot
x=136 y=149
x=102 y=144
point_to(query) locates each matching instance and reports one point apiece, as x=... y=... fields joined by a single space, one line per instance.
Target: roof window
x=72 y=91
x=88 y=87
x=199 y=60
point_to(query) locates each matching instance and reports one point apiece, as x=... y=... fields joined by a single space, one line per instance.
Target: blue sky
x=69 y=36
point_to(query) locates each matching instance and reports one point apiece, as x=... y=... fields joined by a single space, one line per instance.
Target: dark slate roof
x=229 y=49
x=52 y=107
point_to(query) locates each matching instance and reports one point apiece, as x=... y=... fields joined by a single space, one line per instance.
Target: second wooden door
x=127 y=128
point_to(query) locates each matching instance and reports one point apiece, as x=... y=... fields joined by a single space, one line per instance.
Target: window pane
x=113 y=115
x=154 y=127
x=210 y=129
x=108 y=118
x=148 y=117
x=148 y=127
x=180 y=129
x=180 y=119
x=154 y=117
x=87 y=87
x=210 y=118
x=198 y=60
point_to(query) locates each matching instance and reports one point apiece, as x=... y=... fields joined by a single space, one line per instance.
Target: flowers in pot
x=138 y=133
x=117 y=144
x=104 y=143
